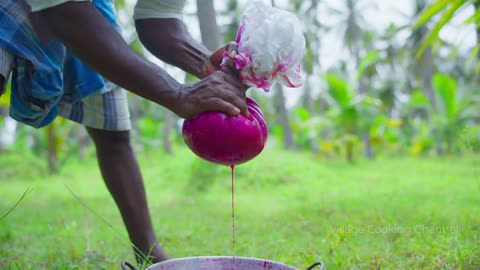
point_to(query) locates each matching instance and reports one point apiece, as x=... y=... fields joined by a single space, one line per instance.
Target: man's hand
x=220 y=91
x=169 y=40
x=213 y=62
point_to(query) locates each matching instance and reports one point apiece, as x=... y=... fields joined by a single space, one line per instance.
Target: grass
x=402 y=213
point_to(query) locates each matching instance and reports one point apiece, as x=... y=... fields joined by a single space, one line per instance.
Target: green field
x=296 y=208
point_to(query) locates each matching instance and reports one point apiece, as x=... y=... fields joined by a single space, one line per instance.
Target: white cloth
x=144 y=9
x=148 y=9
x=37 y=5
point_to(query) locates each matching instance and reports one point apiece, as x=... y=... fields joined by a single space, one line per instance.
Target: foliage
x=352 y=114
x=369 y=60
x=453 y=115
x=446 y=9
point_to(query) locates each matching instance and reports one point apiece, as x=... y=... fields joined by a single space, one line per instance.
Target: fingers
x=237 y=101
x=232 y=49
x=218 y=92
x=217 y=56
x=233 y=80
x=237 y=93
x=232 y=52
x=218 y=104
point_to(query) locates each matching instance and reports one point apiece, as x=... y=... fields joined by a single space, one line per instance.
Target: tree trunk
x=83 y=141
x=476 y=4
x=438 y=146
x=362 y=89
x=369 y=153
x=362 y=83
x=427 y=78
x=168 y=122
x=208 y=24
x=8 y=132
x=309 y=104
x=308 y=101
x=283 y=118
x=427 y=75
x=52 y=151
x=349 y=151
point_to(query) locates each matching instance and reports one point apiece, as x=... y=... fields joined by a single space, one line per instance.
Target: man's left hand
x=213 y=62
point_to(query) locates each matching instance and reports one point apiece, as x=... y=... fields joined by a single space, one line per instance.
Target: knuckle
x=216 y=102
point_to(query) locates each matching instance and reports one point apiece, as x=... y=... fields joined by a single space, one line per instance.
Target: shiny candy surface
x=224 y=139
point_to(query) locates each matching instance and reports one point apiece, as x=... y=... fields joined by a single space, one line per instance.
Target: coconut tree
x=282 y=113
x=313 y=28
x=355 y=35
x=447 y=10
x=352 y=27
x=423 y=65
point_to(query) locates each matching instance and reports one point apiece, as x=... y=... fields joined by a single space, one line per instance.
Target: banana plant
x=453 y=115
x=352 y=114
x=308 y=129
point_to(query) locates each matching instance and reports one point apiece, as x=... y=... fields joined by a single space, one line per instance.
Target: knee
x=111 y=140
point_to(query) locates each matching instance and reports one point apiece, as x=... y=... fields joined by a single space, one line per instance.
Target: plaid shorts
x=107 y=111
x=6 y=64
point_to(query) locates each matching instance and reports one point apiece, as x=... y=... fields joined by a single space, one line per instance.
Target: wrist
x=179 y=101
x=207 y=68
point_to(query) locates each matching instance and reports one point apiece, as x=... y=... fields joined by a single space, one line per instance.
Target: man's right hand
x=220 y=91
x=108 y=54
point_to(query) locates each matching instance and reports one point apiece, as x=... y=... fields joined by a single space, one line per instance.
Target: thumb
x=217 y=56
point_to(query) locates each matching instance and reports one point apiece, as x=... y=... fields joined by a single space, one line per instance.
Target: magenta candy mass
x=224 y=139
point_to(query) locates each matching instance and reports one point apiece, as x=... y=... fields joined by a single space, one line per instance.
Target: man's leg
x=2 y=83
x=6 y=63
x=107 y=119
x=122 y=176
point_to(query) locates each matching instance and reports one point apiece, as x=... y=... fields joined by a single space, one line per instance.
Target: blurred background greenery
x=403 y=90
x=385 y=130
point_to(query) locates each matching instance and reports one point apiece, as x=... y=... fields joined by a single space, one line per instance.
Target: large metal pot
x=220 y=263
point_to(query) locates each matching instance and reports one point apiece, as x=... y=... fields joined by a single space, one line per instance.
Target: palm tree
x=307 y=12
x=447 y=9
x=282 y=113
x=476 y=5
x=355 y=35
x=352 y=28
x=422 y=66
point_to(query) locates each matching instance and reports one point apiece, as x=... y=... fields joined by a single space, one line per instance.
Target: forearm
x=91 y=38
x=169 y=40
